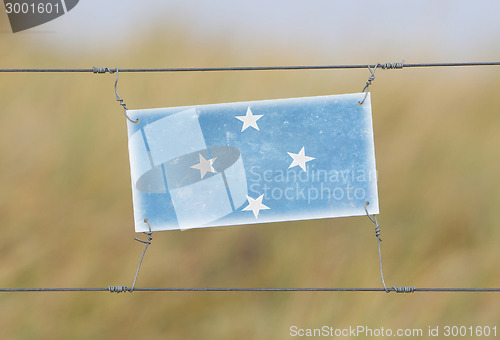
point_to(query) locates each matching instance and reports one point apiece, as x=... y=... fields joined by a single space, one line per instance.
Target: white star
x=205 y=166
x=249 y=120
x=300 y=159
x=255 y=205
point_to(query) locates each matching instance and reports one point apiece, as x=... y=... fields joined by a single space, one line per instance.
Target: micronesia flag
x=252 y=162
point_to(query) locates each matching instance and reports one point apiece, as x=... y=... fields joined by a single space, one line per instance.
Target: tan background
x=66 y=210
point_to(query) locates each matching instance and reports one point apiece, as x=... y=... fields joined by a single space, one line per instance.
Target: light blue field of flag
x=252 y=162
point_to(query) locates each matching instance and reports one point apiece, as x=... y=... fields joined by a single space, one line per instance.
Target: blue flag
x=252 y=162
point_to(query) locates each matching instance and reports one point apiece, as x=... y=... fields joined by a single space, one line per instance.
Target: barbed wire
x=120 y=289
x=398 y=65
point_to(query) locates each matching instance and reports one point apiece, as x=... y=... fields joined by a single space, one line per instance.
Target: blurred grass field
x=66 y=208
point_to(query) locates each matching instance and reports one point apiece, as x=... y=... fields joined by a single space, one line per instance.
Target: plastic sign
x=252 y=162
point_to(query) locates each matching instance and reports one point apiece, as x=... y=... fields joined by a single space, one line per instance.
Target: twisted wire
x=392 y=66
x=118 y=99
x=147 y=242
x=379 y=239
x=368 y=83
x=117 y=289
x=404 y=289
x=104 y=70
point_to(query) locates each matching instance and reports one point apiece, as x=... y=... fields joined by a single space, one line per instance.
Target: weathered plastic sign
x=252 y=162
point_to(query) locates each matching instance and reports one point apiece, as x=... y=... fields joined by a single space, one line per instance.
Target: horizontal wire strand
x=248 y=68
x=125 y=289
x=119 y=289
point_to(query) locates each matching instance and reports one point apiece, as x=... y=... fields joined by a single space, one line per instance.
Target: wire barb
x=118 y=289
x=393 y=66
x=102 y=70
x=404 y=289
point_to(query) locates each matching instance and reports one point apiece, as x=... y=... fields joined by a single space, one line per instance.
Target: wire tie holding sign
x=385 y=66
x=373 y=218
x=122 y=289
x=118 y=98
x=147 y=243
